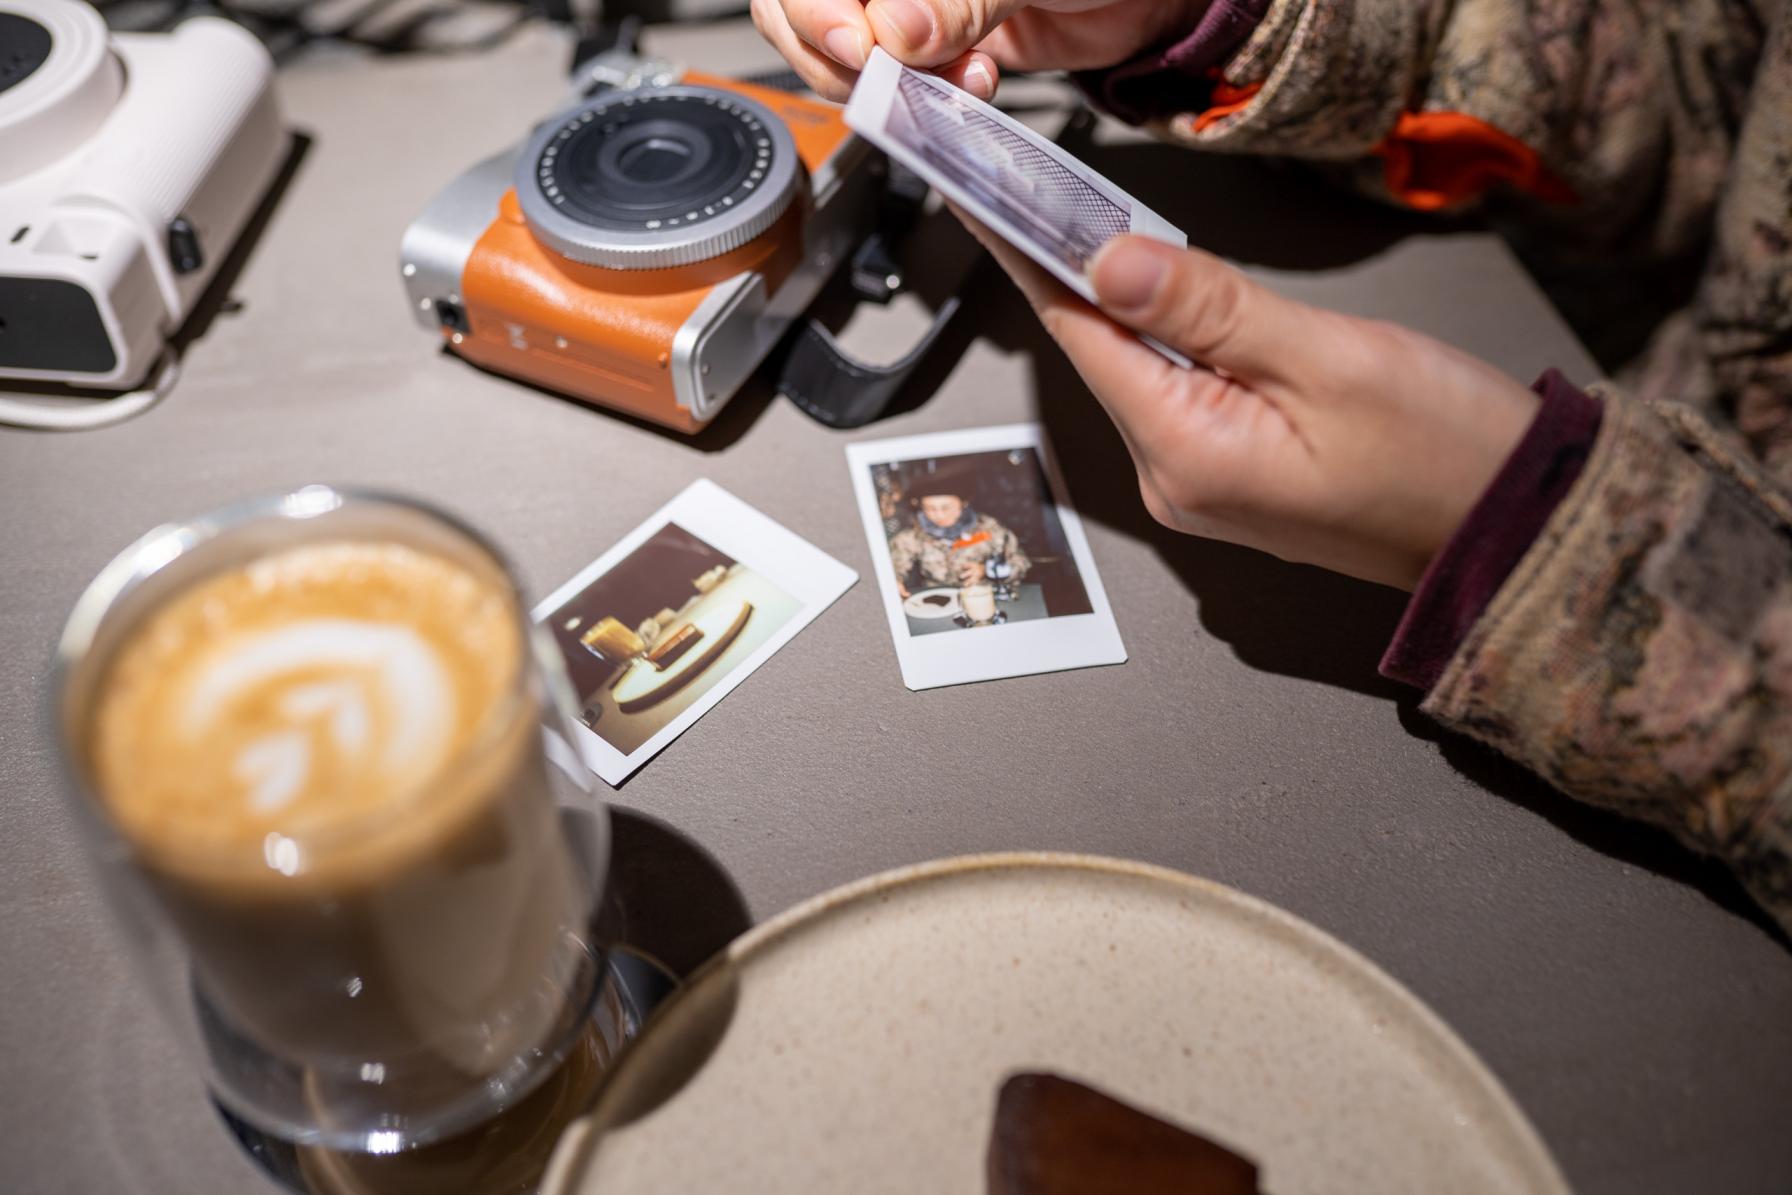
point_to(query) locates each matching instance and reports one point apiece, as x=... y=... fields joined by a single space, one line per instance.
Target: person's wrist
x=1407 y=515
x=1498 y=438
x=1495 y=414
x=1506 y=519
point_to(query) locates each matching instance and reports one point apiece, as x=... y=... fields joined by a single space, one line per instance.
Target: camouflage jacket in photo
x=922 y=560
x=1640 y=655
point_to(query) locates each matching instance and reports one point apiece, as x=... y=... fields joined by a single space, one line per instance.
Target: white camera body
x=129 y=164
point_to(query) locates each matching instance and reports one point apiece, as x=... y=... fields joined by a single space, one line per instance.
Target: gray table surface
x=1625 y=992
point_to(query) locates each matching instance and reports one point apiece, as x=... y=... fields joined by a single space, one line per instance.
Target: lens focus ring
x=660 y=177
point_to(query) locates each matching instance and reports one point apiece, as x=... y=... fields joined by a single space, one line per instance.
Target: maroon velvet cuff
x=1498 y=531
x=1172 y=79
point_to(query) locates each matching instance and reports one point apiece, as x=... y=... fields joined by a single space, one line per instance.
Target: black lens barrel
x=24 y=46
x=672 y=159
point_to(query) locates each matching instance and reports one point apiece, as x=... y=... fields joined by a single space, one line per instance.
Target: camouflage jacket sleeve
x=1644 y=128
x=1011 y=552
x=1640 y=655
x=905 y=551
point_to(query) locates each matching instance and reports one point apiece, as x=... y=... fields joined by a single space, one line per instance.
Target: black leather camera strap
x=813 y=369
x=838 y=389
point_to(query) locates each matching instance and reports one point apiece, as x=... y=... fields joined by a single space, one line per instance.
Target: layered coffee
x=327 y=761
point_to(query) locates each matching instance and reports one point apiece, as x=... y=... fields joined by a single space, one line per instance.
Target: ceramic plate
x=856 y=1043
x=918 y=605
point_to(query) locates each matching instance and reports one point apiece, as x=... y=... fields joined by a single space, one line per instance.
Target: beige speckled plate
x=856 y=1043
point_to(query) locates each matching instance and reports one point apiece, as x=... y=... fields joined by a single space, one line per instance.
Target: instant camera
x=646 y=248
x=129 y=164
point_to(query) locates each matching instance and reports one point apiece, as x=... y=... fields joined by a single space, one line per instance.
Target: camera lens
x=657 y=177
x=24 y=46
x=627 y=168
x=657 y=160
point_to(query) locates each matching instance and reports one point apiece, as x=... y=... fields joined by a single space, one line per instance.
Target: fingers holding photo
x=1198 y=304
x=827 y=42
x=824 y=41
x=1143 y=392
x=974 y=71
x=929 y=33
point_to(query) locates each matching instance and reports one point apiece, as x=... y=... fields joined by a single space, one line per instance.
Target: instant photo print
x=662 y=626
x=1025 y=188
x=982 y=563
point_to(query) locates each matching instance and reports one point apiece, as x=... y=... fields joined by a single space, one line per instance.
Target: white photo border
x=996 y=652
x=715 y=516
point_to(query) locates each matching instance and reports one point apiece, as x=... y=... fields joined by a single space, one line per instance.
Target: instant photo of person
x=983 y=564
x=656 y=631
x=960 y=524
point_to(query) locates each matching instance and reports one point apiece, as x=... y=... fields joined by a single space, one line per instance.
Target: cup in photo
x=612 y=641
x=978 y=602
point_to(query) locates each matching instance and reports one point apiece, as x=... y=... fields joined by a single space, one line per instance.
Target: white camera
x=129 y=164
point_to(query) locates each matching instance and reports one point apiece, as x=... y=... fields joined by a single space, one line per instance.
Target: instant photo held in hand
x=1031 y=192
x=661 y=627
x=981 y=561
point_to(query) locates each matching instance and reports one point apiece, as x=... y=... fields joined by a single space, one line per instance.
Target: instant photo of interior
x=647 y=638
x=896 y=597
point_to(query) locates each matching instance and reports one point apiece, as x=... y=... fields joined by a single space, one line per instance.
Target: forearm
x=1639 y=656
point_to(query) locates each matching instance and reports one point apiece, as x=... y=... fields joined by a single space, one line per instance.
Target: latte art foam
x=379 y=706
x=298 y=694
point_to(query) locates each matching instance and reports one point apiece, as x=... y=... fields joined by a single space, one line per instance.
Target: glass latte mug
x=978 y=603
x=305 y=738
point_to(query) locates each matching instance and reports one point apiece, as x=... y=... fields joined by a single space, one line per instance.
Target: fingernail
x=978 y=82
x=1126 y=275
x=910 y=22
x=846 y=46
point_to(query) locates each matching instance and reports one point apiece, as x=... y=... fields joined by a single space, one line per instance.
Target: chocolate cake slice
x=1054 y=1136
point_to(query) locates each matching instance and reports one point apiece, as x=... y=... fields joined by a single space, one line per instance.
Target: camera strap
x=838 y=389
x=815 y=371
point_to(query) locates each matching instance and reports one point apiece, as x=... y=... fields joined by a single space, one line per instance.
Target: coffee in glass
x=307 y=738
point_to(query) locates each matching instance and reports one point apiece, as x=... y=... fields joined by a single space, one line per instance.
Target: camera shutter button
x=184 y=251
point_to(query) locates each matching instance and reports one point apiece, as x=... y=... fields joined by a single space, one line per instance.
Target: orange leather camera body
x=647 y=247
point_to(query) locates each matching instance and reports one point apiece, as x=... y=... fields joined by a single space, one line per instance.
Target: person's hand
x=902 y=590
x=1322 y=438
x=965 y=41
x=970 y=572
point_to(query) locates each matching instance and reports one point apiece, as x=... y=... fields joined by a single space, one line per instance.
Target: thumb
x=934 y=32
x=1195 y=302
